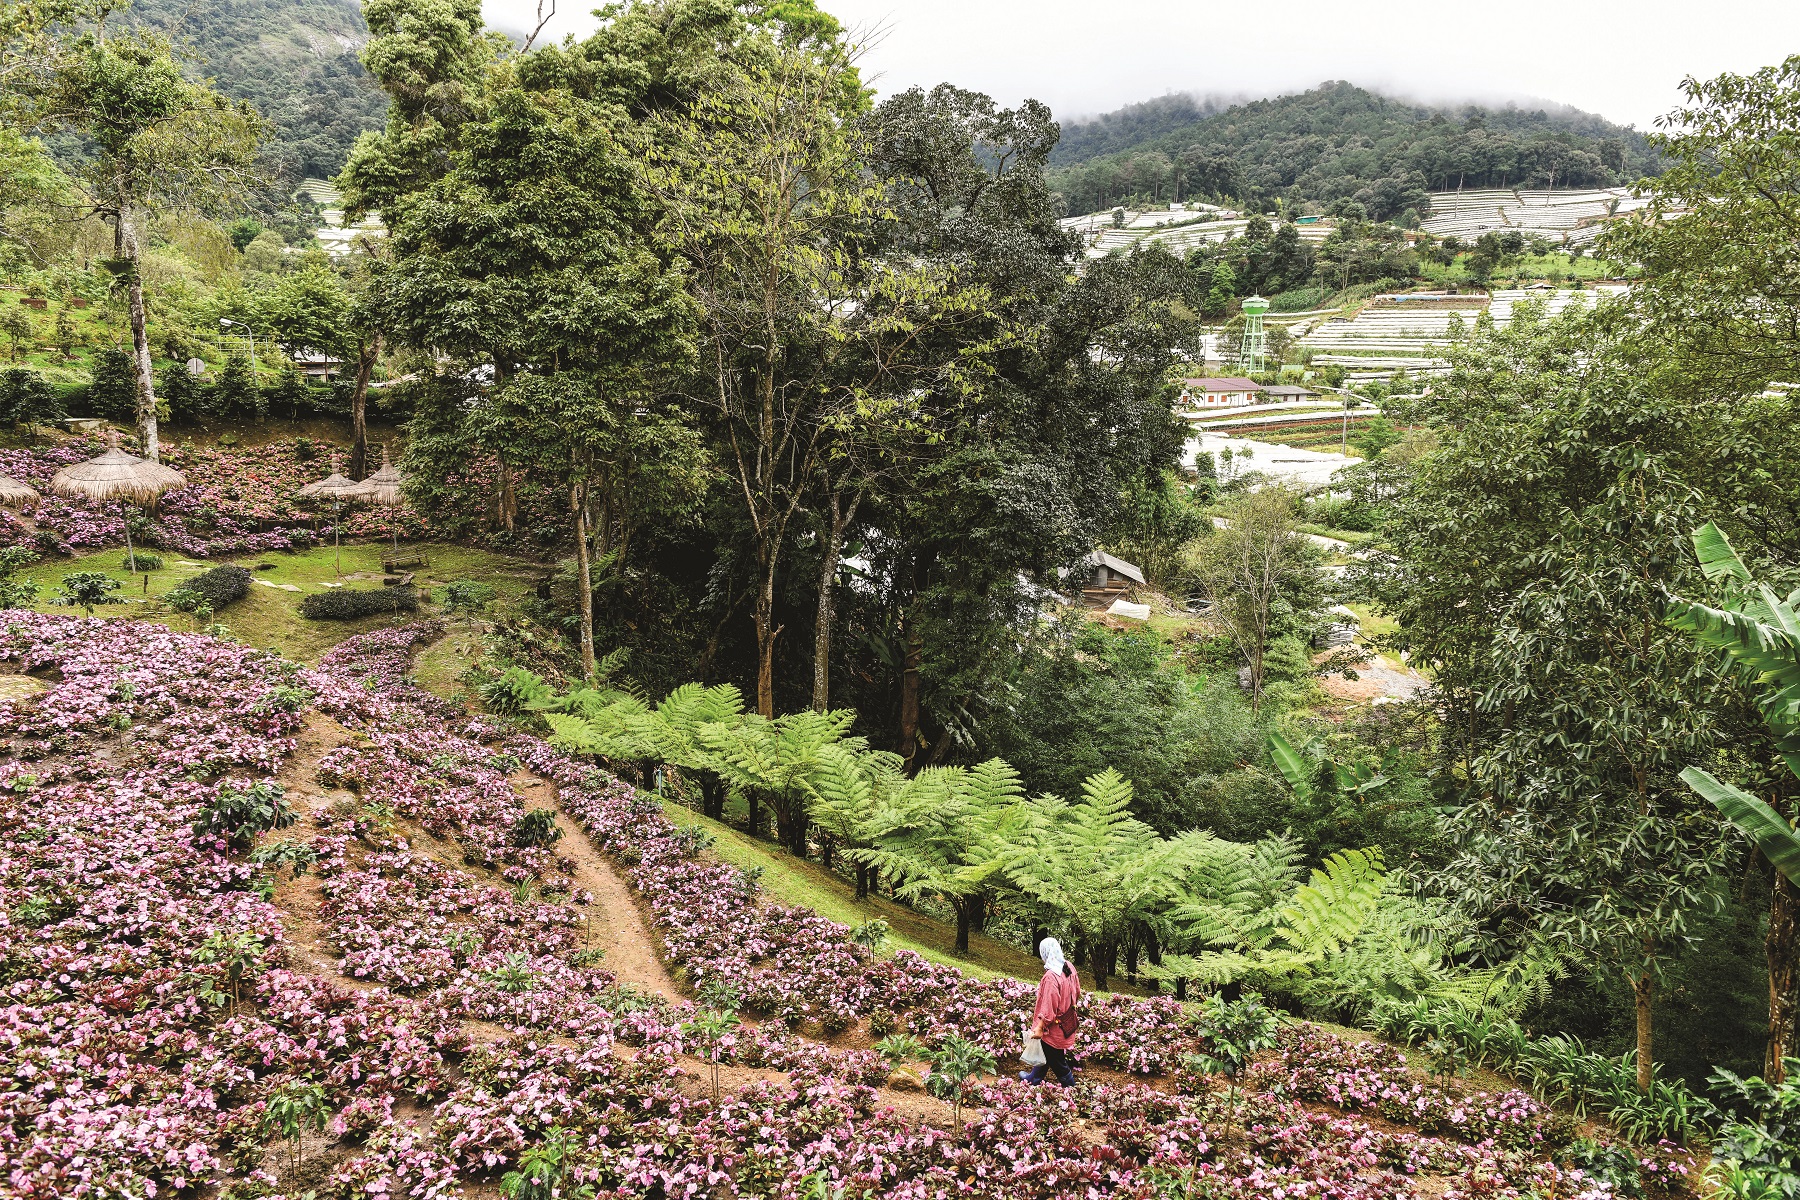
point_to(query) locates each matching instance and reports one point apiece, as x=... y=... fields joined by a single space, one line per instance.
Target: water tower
x=1255 y=347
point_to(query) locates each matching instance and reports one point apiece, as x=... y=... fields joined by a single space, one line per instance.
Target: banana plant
x=1295 y=766
x=1758 y=632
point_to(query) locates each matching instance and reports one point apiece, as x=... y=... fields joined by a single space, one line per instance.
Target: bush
x=16 y=592
x=236 y=815
x=214 y=589
x=113 y=393
x=87 y=590
x=141 y=561
x=27 y=399
x=537 y=827
x=346 y=605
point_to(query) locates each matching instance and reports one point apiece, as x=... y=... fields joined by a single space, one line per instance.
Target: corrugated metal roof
x=1101 y=558
x=1224 y=385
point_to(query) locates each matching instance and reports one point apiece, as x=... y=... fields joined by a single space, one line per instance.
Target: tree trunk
x=125 y=237
x=1132 y=947
x=766 y=633
x=712 y=795
x=914 y=634
x=909 y=696
x=1643 y=990
x=1782 y=947
x=841 y=516
x=366 y=354
x=962 y=926
x=584 y=581
x=755 y=822
x=862 y=881
x=978 y=912
x=509 y=499
x=1181 y=989
x=825 y=853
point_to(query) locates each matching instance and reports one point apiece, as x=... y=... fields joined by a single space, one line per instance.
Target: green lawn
x=809 y=885
x=268 y=616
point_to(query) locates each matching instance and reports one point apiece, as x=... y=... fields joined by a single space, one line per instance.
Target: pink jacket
x=1055 y=1011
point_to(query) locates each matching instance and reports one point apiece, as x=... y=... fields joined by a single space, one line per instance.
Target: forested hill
x=1336 y=141
x=296 y=60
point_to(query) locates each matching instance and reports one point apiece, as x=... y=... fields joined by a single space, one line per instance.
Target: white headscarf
x=1050 y=950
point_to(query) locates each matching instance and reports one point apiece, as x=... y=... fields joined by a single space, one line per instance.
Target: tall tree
x=1056 y=404
x=764 y=198
x=1260 y=575
x=528 y=255
x=160 y=143
x=1719 y=244
x=1527 y=563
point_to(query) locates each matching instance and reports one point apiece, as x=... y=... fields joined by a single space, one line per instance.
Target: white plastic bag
x=1034 y=1051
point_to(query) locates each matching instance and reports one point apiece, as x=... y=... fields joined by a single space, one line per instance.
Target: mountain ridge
x=1336 y=142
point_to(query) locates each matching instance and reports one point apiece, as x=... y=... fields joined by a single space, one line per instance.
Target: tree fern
x=1329 y=912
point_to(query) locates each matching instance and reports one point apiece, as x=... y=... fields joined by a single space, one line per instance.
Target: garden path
x=619 y=924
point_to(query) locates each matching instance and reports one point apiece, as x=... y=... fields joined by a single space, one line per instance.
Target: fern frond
x=1329 y=912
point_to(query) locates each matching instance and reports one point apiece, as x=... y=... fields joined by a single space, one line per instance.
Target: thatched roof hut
x=116 y=475
x=333 y=487
x=383 y=487
x=17 y=494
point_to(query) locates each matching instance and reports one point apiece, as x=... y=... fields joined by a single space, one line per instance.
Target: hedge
x=217 y=588
x=346 y=605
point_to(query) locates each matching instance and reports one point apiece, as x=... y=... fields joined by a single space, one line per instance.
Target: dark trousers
x=1054 y=1060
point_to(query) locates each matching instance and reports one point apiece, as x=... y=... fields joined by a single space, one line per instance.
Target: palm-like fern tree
x=1758 y=632
x=1096 y=865
x=682 y=720
x=777 y=760
x=1314 y=921
x=848 y=795
x=948 y=833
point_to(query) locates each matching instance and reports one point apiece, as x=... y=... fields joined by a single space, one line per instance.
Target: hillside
x=296 y=60
x=1337 y=141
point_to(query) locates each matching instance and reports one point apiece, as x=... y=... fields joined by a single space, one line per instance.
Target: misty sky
x=1621 y=59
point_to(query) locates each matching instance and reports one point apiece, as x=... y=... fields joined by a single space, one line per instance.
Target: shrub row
x=215 y=588
x=346 y=605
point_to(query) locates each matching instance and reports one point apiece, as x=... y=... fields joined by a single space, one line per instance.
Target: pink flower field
x=422 y=1008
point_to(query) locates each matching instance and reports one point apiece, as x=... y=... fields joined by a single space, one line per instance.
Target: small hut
x=116 y=475
x=1109 y=578
x=14 y=494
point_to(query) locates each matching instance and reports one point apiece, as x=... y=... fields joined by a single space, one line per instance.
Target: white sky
x=1624 y=59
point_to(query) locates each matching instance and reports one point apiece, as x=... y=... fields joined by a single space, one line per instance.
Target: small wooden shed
x=1108 y=578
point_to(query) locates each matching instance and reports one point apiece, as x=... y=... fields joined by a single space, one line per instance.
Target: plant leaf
x=1772 y=835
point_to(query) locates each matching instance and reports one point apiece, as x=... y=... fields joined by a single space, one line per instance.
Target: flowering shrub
x=157 y=1015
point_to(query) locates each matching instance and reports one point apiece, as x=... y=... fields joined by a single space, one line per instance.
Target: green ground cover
x=269 y=616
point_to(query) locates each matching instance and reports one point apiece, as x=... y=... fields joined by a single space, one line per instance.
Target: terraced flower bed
x=395 y=994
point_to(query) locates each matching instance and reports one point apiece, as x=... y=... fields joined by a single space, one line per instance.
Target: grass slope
x=269 y=616
x=809 y=885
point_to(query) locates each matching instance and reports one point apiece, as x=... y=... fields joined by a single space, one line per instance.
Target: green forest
x=1335 y=142
x=628 y=641
x=298 y=61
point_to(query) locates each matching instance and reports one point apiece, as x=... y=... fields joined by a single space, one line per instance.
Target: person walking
x=1053 y=1020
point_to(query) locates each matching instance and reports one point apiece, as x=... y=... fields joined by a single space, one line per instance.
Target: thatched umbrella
x=12 y=492
x=116 y=475
x=335 y=488
x=383 y=488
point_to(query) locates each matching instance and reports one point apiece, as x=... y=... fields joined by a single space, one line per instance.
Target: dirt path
x=618 y=923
